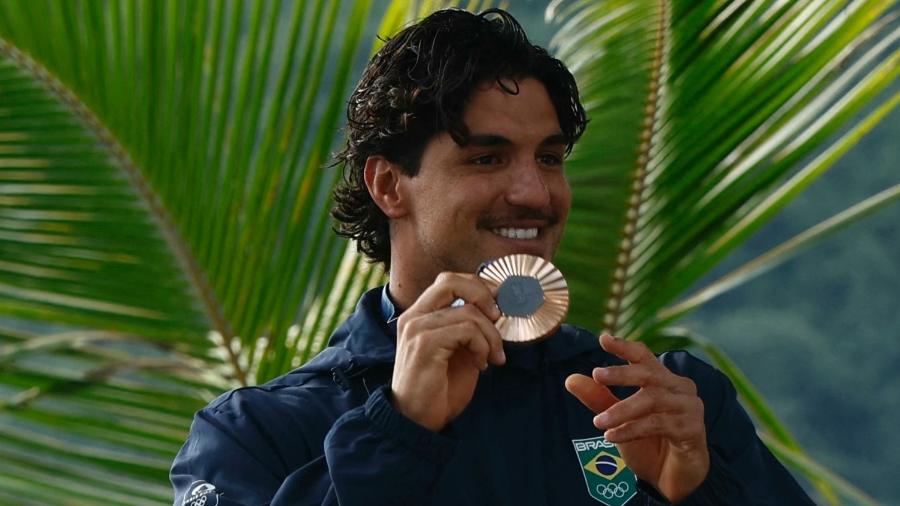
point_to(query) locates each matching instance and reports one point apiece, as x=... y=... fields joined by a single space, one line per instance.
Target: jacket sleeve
x=232 y=458
x=235 y=455
x=742 y=469
x=378 y=456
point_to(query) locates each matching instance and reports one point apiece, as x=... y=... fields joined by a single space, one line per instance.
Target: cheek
x=475 y=193
x=455 y=202
x=442 y=211
x=560 y=193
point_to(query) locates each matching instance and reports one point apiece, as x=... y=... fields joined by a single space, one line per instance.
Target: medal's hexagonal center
x=520 y=296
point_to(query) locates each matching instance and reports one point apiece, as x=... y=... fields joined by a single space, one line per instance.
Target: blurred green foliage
x=820 y=335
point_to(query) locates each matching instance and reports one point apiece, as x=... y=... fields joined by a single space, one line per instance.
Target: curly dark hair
x=417 y=86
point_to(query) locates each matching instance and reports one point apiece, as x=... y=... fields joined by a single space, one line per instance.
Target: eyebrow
x=488 y=140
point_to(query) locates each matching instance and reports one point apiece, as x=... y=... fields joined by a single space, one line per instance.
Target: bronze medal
x=532 y=295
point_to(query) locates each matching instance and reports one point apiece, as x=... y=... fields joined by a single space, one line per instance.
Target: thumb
x=598 y=398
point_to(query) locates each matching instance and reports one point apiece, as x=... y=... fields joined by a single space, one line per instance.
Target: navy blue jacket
x=328 y=434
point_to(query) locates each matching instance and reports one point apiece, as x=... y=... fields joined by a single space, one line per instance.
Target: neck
x=404 y=287
x=412 y=270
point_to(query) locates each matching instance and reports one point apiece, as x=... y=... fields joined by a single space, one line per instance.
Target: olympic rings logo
x=201 y=493
x=610 y=490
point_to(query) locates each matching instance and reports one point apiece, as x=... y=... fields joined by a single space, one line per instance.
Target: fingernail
x=602 y=418
x=502 y=355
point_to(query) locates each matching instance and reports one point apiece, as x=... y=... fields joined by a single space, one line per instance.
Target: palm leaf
x=173 y=235
x=783 y=252
x=701 y=114
x=690 y=149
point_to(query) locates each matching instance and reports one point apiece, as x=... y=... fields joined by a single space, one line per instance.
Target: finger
x=454 y=315
x=488 y=331
x=631 y=351
x=646 y=402
x=464 y=334
x=676 y=428
x=449 y=286
x=594 y=396
x=643 y=375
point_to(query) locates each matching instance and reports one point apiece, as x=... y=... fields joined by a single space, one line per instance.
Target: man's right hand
x=441 y=350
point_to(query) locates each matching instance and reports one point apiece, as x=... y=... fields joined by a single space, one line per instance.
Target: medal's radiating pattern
x=532 y=294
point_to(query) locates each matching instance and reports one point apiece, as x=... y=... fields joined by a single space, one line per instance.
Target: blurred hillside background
x=819 y=336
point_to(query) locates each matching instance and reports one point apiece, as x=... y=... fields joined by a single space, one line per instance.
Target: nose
x=527 y=187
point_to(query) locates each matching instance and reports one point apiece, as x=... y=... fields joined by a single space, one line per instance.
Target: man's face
x=504 y=192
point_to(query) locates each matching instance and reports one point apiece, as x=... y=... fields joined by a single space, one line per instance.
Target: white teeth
x=516 y=233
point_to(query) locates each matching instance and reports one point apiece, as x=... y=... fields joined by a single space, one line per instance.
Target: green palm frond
x=78 y=243
x=703 y=117
x=89 y=415
x=163 y=224
x=783 y=252
x=701 y=113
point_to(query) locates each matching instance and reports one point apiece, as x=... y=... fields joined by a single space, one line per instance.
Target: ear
x=383 y=181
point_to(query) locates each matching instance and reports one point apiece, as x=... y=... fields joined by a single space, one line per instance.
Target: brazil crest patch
x=608 y=479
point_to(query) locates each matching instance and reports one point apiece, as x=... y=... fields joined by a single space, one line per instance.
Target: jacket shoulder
x=271 y=418
x=292 y=399
x=257 y=435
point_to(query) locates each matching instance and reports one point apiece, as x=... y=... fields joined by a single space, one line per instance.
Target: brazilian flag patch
x=608 y=479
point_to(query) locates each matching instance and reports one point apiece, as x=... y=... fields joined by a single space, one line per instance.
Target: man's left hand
x=659 y=430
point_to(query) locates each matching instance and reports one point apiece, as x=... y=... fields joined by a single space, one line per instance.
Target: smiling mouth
x=516 y=233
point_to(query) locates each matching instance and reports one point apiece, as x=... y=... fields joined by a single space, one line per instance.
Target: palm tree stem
x=618 y=288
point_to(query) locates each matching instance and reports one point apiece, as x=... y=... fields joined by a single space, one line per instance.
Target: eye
x=485 y=160
x=551 y=159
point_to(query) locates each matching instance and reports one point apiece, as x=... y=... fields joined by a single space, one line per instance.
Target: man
x=457 y=135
